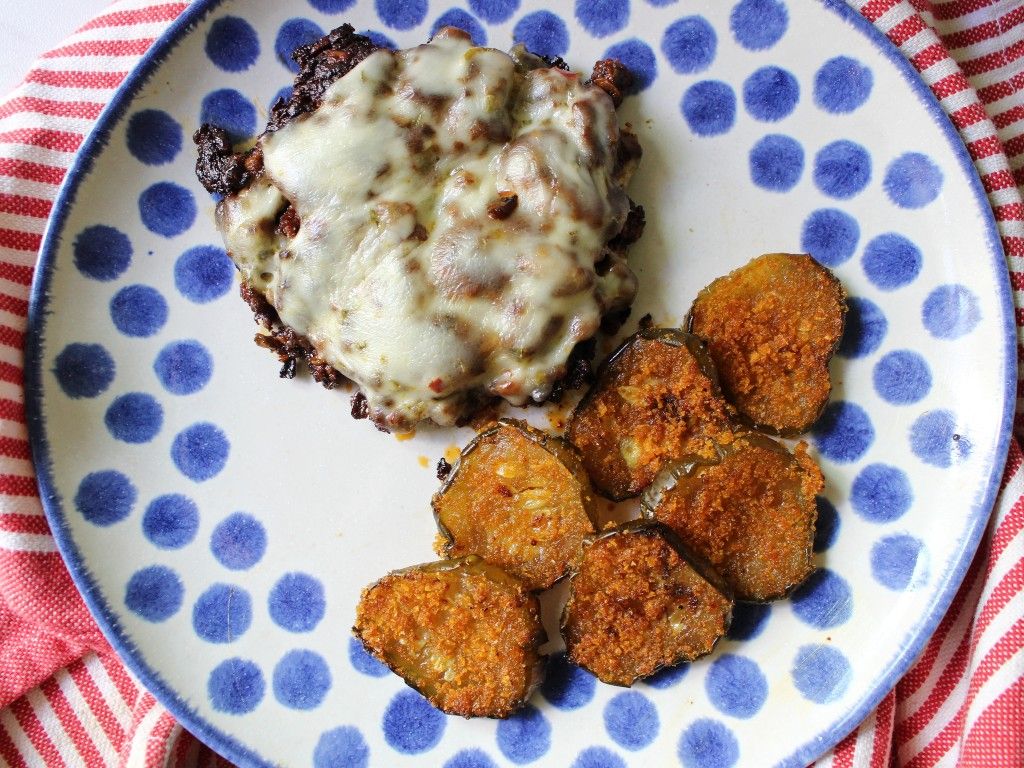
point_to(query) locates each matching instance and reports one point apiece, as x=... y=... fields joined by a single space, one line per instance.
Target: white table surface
x=31 y=27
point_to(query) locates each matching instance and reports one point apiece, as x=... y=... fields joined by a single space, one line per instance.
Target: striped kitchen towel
x=67 y=700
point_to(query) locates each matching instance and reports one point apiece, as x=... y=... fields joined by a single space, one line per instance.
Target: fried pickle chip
x=656 y=399
x=750 y=512
x=462 y=632
x=520 y=499
x=771 y=328
x=641 y=602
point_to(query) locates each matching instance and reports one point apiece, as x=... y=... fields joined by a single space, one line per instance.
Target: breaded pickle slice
x=656 y=399
x=521 y=500
x=463 y=633
x=772 y=327
x=641 y=602
x=750 y=512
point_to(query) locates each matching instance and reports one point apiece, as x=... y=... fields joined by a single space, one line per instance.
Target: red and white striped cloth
x=67 y=700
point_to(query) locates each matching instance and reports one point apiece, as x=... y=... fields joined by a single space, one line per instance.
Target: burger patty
x=443 y=227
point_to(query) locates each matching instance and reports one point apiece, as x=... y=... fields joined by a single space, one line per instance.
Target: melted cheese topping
x=397 y=275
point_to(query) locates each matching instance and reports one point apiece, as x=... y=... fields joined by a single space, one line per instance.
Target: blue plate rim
x=230 y=747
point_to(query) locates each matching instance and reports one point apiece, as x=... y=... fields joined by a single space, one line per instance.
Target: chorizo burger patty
x=442 y=225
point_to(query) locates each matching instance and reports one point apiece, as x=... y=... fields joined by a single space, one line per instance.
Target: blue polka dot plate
x=221 y=522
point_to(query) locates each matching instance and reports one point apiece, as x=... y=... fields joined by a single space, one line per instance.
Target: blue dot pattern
x=708 y=743
x=639 y=60
x=824 y=601
x=689 y=44
x=598 y=757
x=543 y=33
x=748 y=620
x=631 y=720
x=842 y=169
x=830 y=236
x=770 y=94
x=844 y=432
x=222 y=614
x=203 y=273
x=602 y=17
x=154 y=593
x=866 y=328
x=297 y=602
x=154 y=137
x=200 y=451
x=363 y=662
x=668 y=677
x=106 y=497
x=566 y=685
x=138 y=311
x=736 y=686
x=83 y=370
x=228 y=109
x=470 y=758
x=894 y=560
x=525 y=736
x=950 y=311
x=294 y=33
x=912 y=180
x=494 y=11
x=935 y=440
x=411 y=725
x=134 y=418
x=709 y=107
x=332 y=6
x=301 y=679
x=826 y=531
x=842 y=85
x=758 y=24
x=456 y=17
x=183 y=367
x=821 y=673
x=342 y=747
x=881 y=493
x=167 y=209
x=401 y=14
x=891 y=261
x=171 y=521
x=776 y=163
x=239 y=541
x=232 y=44
x=902 y=377
x=236 y=686
x=102 y=253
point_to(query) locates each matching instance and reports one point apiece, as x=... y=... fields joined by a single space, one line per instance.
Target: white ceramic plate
x=221 y=522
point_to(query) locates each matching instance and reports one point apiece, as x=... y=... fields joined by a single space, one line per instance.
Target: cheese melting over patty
x=397 y=275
